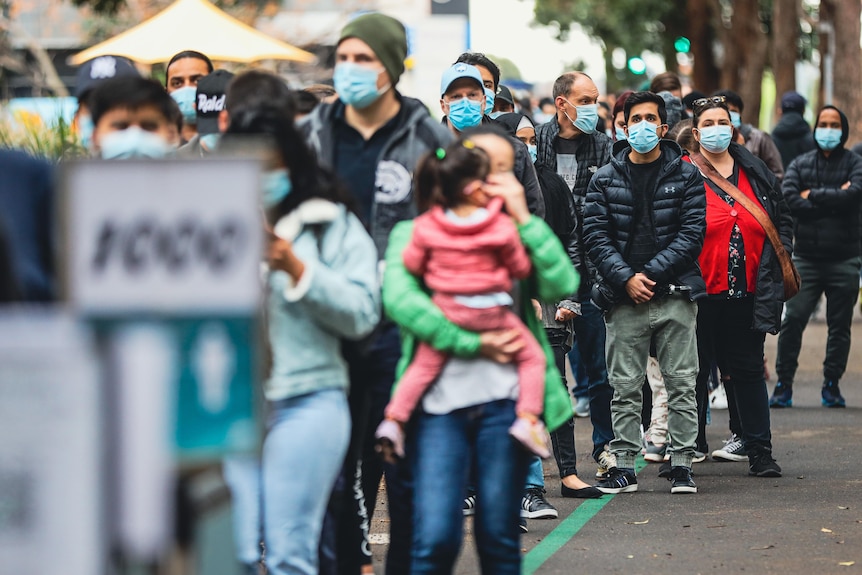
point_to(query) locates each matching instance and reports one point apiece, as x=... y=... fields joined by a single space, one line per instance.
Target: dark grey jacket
x=827 y=224
x=594 y=151
x=678 y=220
x=393 y=197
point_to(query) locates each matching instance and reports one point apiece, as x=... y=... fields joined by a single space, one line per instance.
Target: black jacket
x=792 y=137
x=678 y=220
x=769 y=293
x=594 y=151
x=827 y=224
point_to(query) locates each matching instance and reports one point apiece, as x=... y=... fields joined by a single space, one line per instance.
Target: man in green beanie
x=373 y=138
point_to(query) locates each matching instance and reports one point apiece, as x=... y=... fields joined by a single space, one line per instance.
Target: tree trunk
x=847 y=61
x=785 y=39
x=699 y=14
x=745 y=51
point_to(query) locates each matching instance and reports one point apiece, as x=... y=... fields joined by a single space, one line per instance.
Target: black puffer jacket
x=678 y=220
x=769 y=293
x=827 y=223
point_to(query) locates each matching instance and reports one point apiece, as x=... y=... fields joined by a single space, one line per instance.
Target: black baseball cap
x=210 y=98
x=503 y=93
x=93 y=72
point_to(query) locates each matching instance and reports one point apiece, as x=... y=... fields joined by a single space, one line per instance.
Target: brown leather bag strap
x=752 y=207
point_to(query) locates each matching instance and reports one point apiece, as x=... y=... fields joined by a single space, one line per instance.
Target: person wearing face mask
x=89 y=76
x=209 y=104
x=503 y=104
x=322 y=288
x=643 y=229
x=373 y=137
x=757 y=142
x=132 y=119
x=744 y=284
x=824 y=190
x=467 y=89
x=561 y=217
x=570 y=145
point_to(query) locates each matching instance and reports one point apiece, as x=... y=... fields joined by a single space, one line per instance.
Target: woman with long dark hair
x=322 y=287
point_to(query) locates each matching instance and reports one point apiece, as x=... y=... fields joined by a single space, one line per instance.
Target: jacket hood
x=845 y=127
x=791 y=125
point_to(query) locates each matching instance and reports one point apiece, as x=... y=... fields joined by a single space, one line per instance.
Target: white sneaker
x=718 y=398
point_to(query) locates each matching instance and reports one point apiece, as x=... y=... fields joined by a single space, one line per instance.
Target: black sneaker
x=782 y=396
x=831 y=395
x=762 y=465
x=522 y=523
x=681 y=481
x=535 y=506
x=618 y=481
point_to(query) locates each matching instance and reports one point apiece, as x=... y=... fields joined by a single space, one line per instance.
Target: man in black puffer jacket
x=643 y=229
x=824 y=191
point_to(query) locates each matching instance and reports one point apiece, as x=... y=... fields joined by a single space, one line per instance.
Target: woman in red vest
x=743 y=279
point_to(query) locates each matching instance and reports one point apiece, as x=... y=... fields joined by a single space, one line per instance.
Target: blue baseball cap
x=458 y=71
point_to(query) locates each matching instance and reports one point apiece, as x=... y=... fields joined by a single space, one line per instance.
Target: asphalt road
x=808 y=522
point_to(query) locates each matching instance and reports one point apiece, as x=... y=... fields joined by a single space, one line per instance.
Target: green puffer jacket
x=407 y=303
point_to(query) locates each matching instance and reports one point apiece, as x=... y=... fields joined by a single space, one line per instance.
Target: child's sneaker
x=390 y=440
x=531 y=435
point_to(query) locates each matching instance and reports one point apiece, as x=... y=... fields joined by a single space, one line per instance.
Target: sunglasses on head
x=701 y=102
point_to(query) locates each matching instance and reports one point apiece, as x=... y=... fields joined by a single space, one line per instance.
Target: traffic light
x=682 y=44
x=637 y=65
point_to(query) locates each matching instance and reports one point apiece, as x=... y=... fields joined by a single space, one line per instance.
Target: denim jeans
x=590 y=339
x=242 y=475
x=303 y=452
x=840 y=282
x=582 y=383
x=670 y=322
x=444 y=448
x=724 y=335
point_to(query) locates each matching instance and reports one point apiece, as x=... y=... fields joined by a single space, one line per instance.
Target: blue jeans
x=444 y=448
x=590 y=339
x=302 y=456
x=242 y=475
x=579 y=370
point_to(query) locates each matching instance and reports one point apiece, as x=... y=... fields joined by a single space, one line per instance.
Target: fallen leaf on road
x=644 y=522
x=847 y=563
x=801 y=477
x=824 y=530
x=715 y=526
x=840 y=507
x=630 y=556
x=762 y=548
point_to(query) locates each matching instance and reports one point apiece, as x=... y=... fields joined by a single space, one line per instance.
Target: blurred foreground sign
x=51 y=484
x=163 y=237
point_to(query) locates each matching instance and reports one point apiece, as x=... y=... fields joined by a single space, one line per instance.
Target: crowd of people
x=427 y=281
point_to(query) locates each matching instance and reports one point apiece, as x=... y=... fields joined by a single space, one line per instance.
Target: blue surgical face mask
x=540 y=117
x=489 y=100
x=210 y=141
x=735 y=119
x=621 y=134
x=495 y=115
x=275 y=186
x=85 y=130
x=133 y=142
x=587 y=119
x=465 y=113
x=534 y=152
x=715 y=139
x=357 y=85
x=185 y=99
x=827 y=138
x=643 y=137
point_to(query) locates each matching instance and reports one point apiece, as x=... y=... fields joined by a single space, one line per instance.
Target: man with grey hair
x=570 y=145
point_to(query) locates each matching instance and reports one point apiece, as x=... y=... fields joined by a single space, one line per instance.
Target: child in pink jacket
x=468 y=252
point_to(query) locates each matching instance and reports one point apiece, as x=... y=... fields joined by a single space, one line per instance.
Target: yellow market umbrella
x=193 y=25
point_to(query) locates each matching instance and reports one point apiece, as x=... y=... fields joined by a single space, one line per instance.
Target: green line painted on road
x=565 y=531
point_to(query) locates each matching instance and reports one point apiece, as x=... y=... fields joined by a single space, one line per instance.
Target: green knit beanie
x=385 y=36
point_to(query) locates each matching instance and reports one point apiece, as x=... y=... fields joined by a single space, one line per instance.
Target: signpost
x=163 y=259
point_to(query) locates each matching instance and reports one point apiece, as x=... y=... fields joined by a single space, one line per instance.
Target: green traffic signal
x=682 y=44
